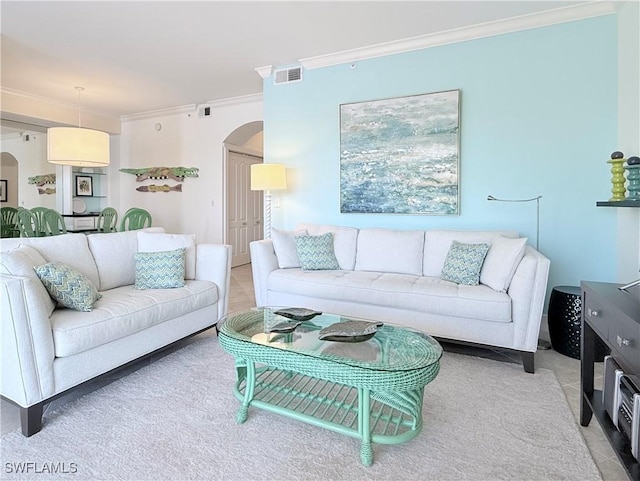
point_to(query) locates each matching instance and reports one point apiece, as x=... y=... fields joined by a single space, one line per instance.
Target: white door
x=244 y=207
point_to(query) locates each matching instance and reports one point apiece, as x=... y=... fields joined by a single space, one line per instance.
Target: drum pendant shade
x=77 y=146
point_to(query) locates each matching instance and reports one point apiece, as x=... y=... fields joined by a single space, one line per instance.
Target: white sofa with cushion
x=48 y=349
x=397 y=276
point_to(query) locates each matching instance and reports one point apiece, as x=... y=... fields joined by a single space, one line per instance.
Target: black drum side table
x=565 y=322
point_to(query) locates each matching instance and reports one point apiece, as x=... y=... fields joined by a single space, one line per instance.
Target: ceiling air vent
x=288 y=75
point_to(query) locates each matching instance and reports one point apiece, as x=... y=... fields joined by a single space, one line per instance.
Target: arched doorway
x=9 y=169
x=244 y=207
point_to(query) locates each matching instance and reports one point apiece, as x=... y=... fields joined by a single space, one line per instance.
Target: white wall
x=628 y=234
x=31 y=157
x=184 y=140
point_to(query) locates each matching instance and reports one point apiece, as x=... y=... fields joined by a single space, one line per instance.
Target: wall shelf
x=80 y=172
x=618 y=203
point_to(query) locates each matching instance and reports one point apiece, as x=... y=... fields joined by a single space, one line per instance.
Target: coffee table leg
x=364 y=417
x=248 y=392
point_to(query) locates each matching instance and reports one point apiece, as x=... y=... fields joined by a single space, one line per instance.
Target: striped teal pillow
x=316 y=252
x=464 y=263
x=67 y=286
x=160 y=270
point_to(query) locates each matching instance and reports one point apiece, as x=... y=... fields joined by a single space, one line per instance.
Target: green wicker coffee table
x=370 y=390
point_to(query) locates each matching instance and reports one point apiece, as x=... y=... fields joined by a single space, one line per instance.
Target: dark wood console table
x=613 y=316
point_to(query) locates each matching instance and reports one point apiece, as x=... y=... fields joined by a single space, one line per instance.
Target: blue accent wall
x=538 y=117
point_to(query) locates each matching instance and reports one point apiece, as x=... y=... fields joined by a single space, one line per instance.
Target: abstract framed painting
x=401 y=155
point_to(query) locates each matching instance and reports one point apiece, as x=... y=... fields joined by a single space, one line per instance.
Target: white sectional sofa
x=48 y=350
x=395 y=276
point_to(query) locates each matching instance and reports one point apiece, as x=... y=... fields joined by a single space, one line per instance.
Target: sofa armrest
x=27 y=343
x=527 y=291
x=213 y=263
x=263 y=263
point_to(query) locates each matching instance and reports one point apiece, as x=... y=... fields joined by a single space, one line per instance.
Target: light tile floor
x=567 y=371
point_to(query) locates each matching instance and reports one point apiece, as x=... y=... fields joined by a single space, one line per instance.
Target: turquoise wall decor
x=633 y=177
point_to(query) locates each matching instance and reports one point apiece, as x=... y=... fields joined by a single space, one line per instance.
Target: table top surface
x=571 y=290
x=392 y=348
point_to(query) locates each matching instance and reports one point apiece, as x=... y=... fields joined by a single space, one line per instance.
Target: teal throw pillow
x=67 y=286
x=464 y=263
x=160 y=270
x=316 y=252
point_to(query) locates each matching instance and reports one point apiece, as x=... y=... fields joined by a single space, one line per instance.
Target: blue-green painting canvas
x=401 y=155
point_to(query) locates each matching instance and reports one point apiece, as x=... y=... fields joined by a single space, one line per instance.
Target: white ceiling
x=134 y=57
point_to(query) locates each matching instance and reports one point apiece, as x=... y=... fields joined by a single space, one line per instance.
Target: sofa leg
x=31 y=419
x=528 y=361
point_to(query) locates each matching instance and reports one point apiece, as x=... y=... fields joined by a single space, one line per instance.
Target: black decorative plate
x=298 y=313
x=349 y=331
x=362 y=338
x=284 y=327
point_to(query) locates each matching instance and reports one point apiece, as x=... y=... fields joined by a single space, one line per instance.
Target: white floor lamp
x=268 y=177
x=542 y=344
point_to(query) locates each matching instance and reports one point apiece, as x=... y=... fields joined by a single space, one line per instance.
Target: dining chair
x=54 y=223
x=107 y=220
x=26 y=222
x=135 y=218
x=41 y=225
x=9 y=227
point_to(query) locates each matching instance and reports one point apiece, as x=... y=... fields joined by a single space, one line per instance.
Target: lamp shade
x=268 y=177
x=77 y=146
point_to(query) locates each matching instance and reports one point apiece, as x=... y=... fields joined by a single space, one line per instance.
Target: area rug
x=175 y=419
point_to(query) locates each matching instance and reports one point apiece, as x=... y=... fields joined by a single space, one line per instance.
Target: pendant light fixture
x=77 y=146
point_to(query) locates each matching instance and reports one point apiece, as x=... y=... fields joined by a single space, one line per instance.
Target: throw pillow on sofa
x=162 y=242
x=160 y=270
x=285 y=247
x=502 y=261
x=68 y=286
x=316 y=252
x=464 y=262
x=345 y=241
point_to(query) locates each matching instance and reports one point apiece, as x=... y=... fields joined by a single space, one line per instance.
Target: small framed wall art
x=84 y=186
x=3 y=190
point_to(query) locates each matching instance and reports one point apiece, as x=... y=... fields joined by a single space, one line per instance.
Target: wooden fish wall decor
x=48 y=190
x=174 y=173
x=41 y=180
x=159 y=188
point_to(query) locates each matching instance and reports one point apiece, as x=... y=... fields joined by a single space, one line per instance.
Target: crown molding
x=243 y=99
x=488 y=29
x=190 y=108
x=150 y=114
x=11 y=136
x=264 y=72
